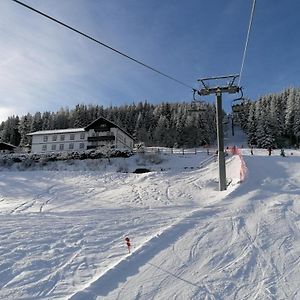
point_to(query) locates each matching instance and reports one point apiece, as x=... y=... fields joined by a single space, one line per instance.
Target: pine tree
x=252 y=125
x=296 y=124
x=9 y=132
x=265 y=134
x=24 y=129
x=290 y=114
x=37 y=122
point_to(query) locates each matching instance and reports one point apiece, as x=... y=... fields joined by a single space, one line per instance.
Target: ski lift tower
x=230 y=88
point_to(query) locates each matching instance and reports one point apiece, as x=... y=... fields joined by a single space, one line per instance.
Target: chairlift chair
x=196 y=103
x=238 y=103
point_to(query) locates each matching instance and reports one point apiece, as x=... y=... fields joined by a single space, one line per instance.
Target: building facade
x=100 y=133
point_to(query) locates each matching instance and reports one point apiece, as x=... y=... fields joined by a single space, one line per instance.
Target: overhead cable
x=247 y=40
x=103 y=44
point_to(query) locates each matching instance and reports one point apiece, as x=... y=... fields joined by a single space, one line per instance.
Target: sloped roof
x=103 y=120
x=74 y=130
x=57 y=131
x=6 y=146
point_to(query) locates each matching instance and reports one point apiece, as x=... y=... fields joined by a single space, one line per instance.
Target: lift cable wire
x=247 y=40
x=103 y=44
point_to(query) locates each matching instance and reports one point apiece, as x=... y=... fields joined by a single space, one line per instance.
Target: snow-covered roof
x=57 y=131
x=7 y=145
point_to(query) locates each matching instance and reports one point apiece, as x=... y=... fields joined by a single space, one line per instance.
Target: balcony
x=91 y=147
x=101 y=138
x=102 y=129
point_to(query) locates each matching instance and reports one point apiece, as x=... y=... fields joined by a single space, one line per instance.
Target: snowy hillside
x=62 y=232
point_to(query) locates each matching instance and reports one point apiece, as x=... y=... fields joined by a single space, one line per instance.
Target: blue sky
x=44 y=66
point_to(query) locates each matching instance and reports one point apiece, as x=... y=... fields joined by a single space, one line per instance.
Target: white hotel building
x=100 y=133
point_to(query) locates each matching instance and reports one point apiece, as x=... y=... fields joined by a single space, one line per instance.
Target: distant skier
x=128 y=243
x=269 y=151
x=251 y=150
x=282 y=153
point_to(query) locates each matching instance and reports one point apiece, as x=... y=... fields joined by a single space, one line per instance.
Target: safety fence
x=181 y=151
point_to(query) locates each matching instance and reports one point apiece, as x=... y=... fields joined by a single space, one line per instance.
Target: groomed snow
x=62 y=232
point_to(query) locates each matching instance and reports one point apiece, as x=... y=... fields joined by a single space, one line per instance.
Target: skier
x=269 y=151
x=282 y=153
x=251 y=150
x=128 y=243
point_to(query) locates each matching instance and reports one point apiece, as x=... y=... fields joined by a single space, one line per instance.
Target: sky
x=45 y=66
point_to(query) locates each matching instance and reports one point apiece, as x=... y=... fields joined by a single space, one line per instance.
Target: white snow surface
x=62 y=232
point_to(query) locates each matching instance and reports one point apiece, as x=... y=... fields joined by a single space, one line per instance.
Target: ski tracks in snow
x=249 y=253
x=246 y=246
x=38 y=202
x=141 y=256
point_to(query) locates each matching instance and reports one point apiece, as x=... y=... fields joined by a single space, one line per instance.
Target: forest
x=166 y=124
x=273 y=120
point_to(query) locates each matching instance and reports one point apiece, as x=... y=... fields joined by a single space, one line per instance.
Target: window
x=72 y=136
x=45 y=138
x=71 y=146
x=62 y=137
x=44 y=148
x=53 y=147
x=61 y=147
x=54 y=138
x=82 y=136
x=81 y=146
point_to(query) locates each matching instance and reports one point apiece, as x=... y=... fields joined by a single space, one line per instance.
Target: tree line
x=165 y=124
x=273 y=120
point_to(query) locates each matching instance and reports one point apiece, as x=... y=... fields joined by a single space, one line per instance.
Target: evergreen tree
x=37 y=122
x=296 y=124
x=9 y=131
x=161 y=131
x=252 y=125
x=25 y=128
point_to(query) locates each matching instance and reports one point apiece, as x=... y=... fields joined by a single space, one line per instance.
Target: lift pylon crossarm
x=231 y=89
x=220 y=77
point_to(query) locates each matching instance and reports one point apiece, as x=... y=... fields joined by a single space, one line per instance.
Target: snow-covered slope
x=246 y=246
x=62 y=233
